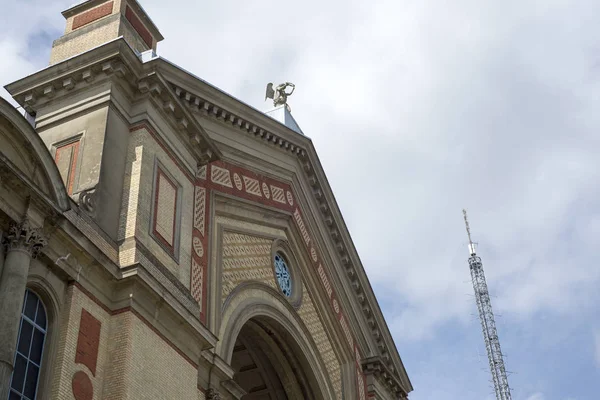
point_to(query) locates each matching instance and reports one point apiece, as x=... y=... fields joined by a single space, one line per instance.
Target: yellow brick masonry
x=247 y=257
x=64 y=366
x=133 y=361
x=157 y=370
x=84 y=42
x=136 y=206
x=119 y=357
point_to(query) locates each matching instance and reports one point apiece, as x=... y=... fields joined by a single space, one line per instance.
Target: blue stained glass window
x=282 y=272
x=28 y=357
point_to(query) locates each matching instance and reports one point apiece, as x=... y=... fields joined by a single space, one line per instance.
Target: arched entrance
x=268 y=364
x=271 y=351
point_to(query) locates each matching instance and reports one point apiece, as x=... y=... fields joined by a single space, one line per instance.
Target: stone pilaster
x=22 y=243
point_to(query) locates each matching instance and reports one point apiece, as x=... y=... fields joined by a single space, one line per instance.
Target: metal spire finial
x=471 y=244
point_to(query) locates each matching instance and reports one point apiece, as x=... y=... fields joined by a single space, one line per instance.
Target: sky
x=418 y=109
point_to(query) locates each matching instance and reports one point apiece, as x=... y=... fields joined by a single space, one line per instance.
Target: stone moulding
x=376 y=366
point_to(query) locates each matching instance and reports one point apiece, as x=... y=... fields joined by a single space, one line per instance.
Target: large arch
x=23 y=151
x=256 y=317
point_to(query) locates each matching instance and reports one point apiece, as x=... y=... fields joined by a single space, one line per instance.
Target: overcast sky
x=418 y=109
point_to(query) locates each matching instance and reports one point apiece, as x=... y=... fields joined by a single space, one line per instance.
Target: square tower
x=94 y=22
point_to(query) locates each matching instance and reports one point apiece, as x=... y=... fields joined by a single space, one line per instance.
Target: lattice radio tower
x=488 y=326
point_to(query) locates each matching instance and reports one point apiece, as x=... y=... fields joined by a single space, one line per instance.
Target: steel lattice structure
x=488 y=325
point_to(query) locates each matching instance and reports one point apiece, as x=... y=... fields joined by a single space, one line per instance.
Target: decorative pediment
x=277 y=135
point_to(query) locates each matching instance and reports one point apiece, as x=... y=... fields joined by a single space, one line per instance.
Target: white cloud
x=417 y=110
x=536 y=396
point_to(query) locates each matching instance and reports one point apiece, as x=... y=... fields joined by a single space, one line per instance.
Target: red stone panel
x=88 y=341
x=82 y=386
x=66 y=160
x=92 y=15
x=138 y=26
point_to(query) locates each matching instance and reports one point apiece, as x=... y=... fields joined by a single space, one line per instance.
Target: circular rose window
x=282 y=272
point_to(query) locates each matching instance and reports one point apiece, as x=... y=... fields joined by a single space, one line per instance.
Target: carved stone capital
x=21 y=236
x=212 y=394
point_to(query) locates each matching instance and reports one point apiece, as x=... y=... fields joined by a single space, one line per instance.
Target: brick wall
x=157 y=370
x=84 y=42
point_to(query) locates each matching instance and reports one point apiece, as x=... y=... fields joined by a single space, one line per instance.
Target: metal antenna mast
x=488 y=325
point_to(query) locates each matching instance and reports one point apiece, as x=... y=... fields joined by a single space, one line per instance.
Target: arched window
x=30 y=346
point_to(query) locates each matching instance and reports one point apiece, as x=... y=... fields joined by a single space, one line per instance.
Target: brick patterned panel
x=92 y=15
x=88 y=341
x=199 y=270
x=197 y=285
x=200 y=209
x=165 y=209
x=313 y=323
x=245 y=258
x=138 y=26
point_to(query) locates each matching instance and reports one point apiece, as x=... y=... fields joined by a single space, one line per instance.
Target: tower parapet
x=95 y=22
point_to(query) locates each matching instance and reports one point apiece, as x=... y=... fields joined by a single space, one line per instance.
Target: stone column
x=22 y=243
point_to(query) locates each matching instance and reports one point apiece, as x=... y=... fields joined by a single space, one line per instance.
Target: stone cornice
x=377 y=367
x=114 y=61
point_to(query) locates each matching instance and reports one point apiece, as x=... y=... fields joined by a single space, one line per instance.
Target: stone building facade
x=163 y=240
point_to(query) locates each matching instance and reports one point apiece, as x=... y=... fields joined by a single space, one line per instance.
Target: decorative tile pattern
x=278 y=194
x=197 y=246
x=336 y=306
x=201 y=174
x=252 y=186
x=237 y=181
x=199 y=209
x=325 y=280
x=245 y=258
x=220 y=176
x=290 y=198
x=197 y=281
x=313 y=254
x=265 y=189
x=301 y=226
